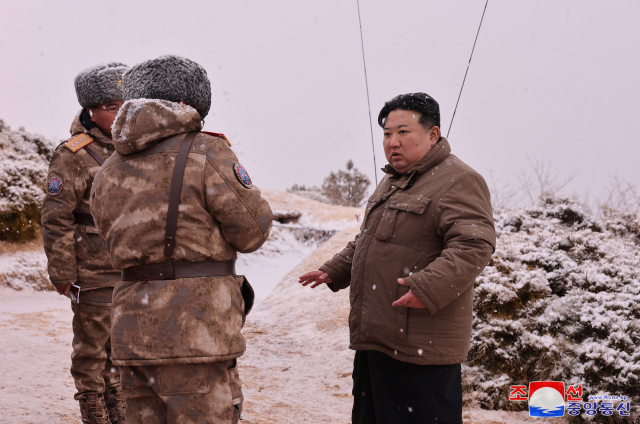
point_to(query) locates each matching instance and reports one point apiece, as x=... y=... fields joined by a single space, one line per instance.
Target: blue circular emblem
x=242 y=175
x=54 y=186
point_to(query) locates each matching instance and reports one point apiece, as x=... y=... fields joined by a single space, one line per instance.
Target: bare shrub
x=502 y=194
x=544 y=179
x=346 y=188
x=622 y=196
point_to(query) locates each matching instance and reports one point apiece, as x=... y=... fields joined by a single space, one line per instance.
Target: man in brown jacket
x=75 y=252
x=174 y=206
x=427 y=234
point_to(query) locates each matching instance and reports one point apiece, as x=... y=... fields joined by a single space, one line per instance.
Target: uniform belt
x=84 y=219
x=180 y=270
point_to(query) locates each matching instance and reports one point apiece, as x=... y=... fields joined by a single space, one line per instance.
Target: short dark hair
x=420 y=102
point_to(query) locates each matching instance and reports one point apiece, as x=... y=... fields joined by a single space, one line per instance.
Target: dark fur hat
x=100 y=84
x=172 y=78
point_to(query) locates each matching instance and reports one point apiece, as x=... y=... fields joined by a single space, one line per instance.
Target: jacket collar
x=437 y=154
x=98 y=136
x=141 y=123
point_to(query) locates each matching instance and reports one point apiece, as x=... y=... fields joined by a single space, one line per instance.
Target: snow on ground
x=267 y=266
x=315 y=214
x=35 y=356
x=297 y=367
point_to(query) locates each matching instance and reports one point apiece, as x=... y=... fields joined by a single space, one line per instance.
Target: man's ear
x=434 y=135
x=91 y=114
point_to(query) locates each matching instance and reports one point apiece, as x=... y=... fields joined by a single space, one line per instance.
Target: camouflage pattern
x=190 y=320
x=183 y=394
x=91 y=365
x=116 y=406
x=75 y=252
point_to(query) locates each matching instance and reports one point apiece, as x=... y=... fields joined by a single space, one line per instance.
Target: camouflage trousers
x=183 y=393
x=91 y=365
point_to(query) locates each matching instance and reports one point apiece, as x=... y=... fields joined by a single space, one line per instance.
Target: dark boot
x=116 y=406
x=93 y=409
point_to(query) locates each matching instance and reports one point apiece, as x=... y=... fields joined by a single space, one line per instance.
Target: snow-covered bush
x=560 y=300
x=24 y=160
x=25 y=270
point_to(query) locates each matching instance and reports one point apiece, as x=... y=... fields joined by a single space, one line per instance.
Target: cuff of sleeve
x=335 y=278
x=417 y=290
x=60 y=282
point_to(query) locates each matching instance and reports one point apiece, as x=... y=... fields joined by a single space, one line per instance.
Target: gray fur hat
x=172 y=78
x=100 y=84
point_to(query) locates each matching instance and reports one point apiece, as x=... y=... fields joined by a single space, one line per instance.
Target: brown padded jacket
x=432 y=226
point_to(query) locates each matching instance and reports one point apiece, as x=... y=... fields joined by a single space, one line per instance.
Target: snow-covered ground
x=35 y=356
x=297 y=367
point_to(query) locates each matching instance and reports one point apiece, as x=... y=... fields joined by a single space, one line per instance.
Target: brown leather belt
x=180 y=270
x=84 y=219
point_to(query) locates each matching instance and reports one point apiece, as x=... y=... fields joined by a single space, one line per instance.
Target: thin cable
x=375 y=168
x=467 y=71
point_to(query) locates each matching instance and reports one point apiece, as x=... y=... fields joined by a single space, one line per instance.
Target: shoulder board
x=218 y=135
x=78 y=142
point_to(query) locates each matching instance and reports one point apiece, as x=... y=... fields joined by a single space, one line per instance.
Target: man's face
x=405 y=140
x=103 y=115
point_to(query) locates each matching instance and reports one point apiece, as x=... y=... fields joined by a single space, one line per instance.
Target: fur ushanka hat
x=100 y=84
x=172 y=78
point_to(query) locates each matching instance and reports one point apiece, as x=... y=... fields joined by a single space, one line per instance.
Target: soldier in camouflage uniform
x=76 y=253
x=177 y=314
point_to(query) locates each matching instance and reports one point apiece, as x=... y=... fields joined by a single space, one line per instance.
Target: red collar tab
x=219 y=135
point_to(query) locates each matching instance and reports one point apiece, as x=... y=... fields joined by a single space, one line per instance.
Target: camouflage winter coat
x=76 y=252
x=188 y=320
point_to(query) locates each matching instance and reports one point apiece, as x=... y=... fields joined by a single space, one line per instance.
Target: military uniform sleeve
x=465 y=223
x=245 y=217
x=66 y=184
x=339 y=267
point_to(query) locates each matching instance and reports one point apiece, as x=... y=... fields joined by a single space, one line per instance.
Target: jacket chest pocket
x=402 y=220
x=88 y=242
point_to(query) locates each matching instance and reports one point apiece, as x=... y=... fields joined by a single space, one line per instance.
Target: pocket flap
x=409 y=203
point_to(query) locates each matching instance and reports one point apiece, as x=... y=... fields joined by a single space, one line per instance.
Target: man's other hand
x=63 y=289
x=315 y=278
x=410 y=300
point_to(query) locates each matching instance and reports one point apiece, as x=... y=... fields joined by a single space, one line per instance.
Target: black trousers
x=388 y=391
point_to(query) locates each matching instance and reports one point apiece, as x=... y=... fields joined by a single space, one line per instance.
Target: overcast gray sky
x=549 y=78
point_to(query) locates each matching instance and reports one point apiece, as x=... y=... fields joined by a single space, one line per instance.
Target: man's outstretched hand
x=410 y=300
x=315 y=278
